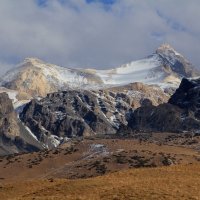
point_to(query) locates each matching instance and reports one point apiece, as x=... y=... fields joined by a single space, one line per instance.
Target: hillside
x=174 y=182
x=95 y=156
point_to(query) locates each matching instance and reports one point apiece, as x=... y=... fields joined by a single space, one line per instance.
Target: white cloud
x=75 y=33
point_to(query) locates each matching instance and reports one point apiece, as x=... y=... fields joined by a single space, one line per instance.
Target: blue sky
x=106 y=2
x=102 y=1
x=41 y=2
x=96 y=33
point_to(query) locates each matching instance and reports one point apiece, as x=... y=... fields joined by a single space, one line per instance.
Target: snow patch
x=59 y=115
x=53 y=141
x=30 y=132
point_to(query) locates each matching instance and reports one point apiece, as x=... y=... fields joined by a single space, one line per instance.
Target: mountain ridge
x=34 y=77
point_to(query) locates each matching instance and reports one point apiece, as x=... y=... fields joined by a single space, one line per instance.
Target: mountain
x=73 y=113
x=33 y=77
x=82 y=113
x=175 y=62
x=165 y=67
x=180 y=114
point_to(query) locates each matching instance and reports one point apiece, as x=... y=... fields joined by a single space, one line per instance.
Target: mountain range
x=35 y=78
x=52 y=104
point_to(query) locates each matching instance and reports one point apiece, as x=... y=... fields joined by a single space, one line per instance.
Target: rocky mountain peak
x=33 y=60
x=165 y=47
x=176 y=62
x=168 y=52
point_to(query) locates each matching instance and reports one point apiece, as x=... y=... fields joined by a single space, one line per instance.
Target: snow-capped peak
x=33 y=76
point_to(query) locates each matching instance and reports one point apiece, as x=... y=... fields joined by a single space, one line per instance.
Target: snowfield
x=144 y=70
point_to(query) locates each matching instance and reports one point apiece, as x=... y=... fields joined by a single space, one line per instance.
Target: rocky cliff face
x=187 y=96
x=10 y=136
x=181 y=113
x=162 y=118
x=175 y=62
x=75 y=113
x=8 y=119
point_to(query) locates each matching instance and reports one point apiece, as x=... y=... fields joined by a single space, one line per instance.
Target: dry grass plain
x=172 y=182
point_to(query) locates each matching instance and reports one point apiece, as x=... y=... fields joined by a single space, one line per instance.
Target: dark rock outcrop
x=181 y=113
x=76 y=113
x=187 y=96
x=162 y=118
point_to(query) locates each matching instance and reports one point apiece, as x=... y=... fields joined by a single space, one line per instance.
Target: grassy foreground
x=174 y=182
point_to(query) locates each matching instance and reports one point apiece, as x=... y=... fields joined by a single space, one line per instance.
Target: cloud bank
x=96 y=33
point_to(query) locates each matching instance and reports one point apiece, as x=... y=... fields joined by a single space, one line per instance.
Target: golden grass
x=175 y=182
